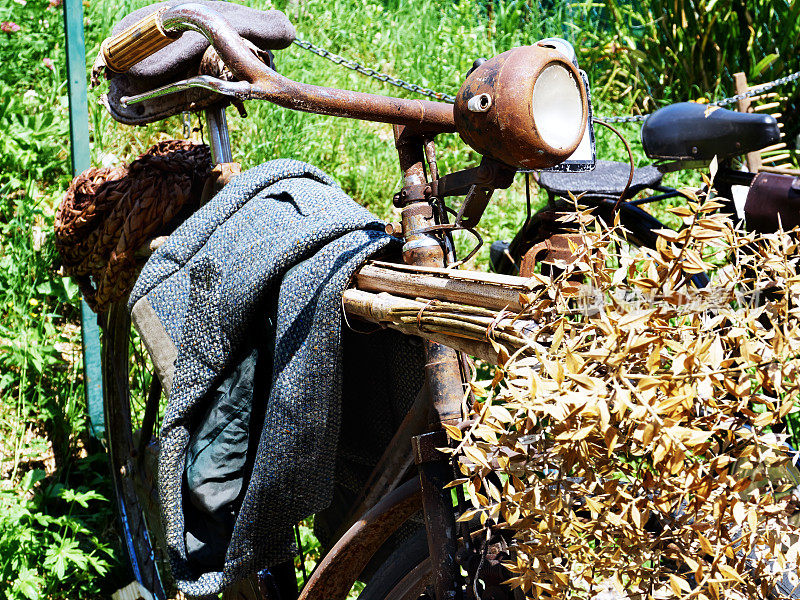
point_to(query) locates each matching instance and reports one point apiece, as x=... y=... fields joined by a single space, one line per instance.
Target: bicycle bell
x=526 y=107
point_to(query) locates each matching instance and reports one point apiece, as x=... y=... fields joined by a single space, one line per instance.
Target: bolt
x=394 y=229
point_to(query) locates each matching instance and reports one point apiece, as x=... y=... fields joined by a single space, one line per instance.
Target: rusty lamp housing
x=526 y=107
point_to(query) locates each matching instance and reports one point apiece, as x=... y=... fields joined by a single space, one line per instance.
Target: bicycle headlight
x=557 y=107
x=526 y=107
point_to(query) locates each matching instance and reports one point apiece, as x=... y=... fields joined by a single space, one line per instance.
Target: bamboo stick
x=780 y=170
x=779 y=146
x=777 y=158
x=511 y=281
x=768 y=106
x=379 y=308
x=453 y=286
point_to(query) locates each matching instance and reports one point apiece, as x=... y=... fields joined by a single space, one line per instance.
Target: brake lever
x=240 y=90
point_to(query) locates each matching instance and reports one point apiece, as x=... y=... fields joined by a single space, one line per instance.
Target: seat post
x=218 y=139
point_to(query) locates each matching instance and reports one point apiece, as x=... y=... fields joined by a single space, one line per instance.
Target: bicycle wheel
x=406 y=574
x=133 y=470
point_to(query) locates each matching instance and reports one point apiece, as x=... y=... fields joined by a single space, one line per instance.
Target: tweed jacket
x=240 y=310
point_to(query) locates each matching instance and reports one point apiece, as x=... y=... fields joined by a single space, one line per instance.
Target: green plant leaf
x=28 y=583
x=31 y=478
x=762 y=65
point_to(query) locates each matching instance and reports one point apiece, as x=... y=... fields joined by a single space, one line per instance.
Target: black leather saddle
x=265 y=29
x=689 y=131
x=607 y=180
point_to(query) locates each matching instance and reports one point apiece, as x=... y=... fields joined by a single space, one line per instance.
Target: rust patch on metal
x=554 y=248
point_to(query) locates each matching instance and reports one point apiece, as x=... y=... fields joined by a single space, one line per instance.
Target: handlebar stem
x=218 y=139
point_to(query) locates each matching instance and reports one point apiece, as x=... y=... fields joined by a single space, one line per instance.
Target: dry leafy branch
x=634 y=443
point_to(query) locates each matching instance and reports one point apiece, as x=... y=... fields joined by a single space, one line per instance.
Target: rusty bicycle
x=527 y=108
x=545 y=129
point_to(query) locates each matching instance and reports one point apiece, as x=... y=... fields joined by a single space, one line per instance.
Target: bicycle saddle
x=690 y=131
x=607 y=180
x=266 y=30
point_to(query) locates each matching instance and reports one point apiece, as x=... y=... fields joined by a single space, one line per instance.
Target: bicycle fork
x=443 y=375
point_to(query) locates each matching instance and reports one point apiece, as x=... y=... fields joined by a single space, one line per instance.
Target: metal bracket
x=474 y=205
x=477 y=183
x=492 y=175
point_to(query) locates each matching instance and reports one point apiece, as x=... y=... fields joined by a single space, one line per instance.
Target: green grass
x=56 y=527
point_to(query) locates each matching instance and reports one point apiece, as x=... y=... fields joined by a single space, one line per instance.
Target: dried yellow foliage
x=629 y=445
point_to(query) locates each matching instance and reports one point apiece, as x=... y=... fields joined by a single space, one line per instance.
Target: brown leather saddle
x=265 y=29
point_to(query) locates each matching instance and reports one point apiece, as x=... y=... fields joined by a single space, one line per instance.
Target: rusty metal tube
x=443 y=373
x=266 y=84
x=409 y=154
x=435 y=472
x=442 y=376
x=431 y=117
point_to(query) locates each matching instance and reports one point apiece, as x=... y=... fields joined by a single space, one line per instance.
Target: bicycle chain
x=418 y=89
x=353 y=65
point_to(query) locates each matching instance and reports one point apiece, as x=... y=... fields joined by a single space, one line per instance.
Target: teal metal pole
x=81 y=160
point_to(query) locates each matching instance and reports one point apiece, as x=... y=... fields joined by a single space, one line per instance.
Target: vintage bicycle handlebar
x=257 y=81
x=526 y=107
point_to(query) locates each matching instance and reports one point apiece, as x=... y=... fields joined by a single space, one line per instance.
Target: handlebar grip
x=120 y=52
